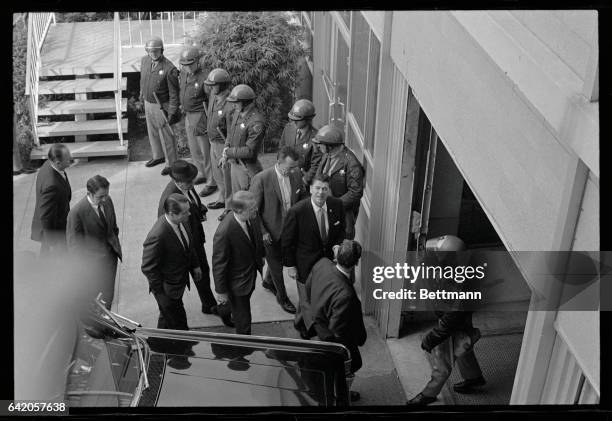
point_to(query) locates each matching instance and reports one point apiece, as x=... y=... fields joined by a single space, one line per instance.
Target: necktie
x=191 y=198
x=153 y=64
x=297 y=135
x=66 y=177
x=286 y=192
x=183 y=239
x=251 y=233
x=322 y=226
x=102 y=218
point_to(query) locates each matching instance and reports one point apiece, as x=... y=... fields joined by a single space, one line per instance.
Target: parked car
x=117 y=363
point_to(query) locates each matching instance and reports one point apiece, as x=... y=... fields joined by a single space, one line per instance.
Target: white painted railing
x=171 y=27
x=38 y=26
x=117 y=73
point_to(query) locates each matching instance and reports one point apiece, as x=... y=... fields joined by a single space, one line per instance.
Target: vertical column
x=80 y=117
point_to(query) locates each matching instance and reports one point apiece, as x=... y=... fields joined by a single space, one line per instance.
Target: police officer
x=192 y=98
x=344 y=170
x=245 y=132
x=159 y=76
x=218 y=110
x=299 y=134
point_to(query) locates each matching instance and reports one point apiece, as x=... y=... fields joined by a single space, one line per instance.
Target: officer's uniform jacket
x=219 y=109
x=346 y=179
x=245 y=135
x=163 y=80
x=303 y=144
x=193 y=97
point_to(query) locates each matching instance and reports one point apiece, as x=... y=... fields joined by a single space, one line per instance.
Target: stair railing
x=174 y=19
x=117 y=73
x=38 y=26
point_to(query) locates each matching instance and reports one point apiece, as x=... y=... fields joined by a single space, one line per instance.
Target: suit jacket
x=53 y=195
x=165 y=262
x=301 y=239
x=236 y=259
x=303 y=145
x=336 y=309
x=86 y=234
x=269 y=199
x=346 y=179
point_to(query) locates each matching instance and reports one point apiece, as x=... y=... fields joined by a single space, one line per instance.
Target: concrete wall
x=376 y=21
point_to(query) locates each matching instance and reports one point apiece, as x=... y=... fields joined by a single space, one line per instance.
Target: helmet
x=445 y=243
x=329 y=135
x=241 y=93
x=154 y=44
x=217 y=76
x=189 y=55
x=301 y=110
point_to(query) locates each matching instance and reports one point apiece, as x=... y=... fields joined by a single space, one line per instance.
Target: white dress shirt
x=285 y=187
x=316 y=211
x=176 y=228
x=97 y=208
x=244 y=226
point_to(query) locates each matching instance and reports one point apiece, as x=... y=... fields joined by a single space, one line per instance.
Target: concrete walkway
x=135 y=191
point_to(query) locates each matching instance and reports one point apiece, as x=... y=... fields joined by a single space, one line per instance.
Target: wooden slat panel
x=73 y=128
x=76 y=86
x=91 y=106
x=87 y=149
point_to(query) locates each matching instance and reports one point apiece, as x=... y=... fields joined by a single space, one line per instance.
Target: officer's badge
x=242 y=126
x=220 y=112
x=342 y=172
x=161 y=72
x=305 y=146
x=196 y=84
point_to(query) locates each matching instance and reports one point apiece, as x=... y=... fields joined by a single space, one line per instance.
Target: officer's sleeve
x=173 y=91
x=255 y=135
x=354 y=184
x=315 y=160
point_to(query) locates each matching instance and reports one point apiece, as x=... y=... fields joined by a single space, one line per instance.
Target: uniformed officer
x=218 y=110
x=192 y=98
x=245 y=133
x=159 y=76
x=344 y=170
x=299 y=134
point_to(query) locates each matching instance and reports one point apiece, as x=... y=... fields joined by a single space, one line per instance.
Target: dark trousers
x=106 y=269
x=203 y=285
x=53 y=243
x=274 y=272
x=241 y=311
x=171 y=313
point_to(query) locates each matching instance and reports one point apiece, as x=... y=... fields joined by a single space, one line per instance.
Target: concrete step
x=76 y=86
x=86 y=149
x=89 y=106
x=75 y=128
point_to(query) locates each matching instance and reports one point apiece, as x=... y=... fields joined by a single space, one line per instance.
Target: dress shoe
x=215 y=205
x=303 y=331
x=269 y=286
x=421 y=400
x=199 y=180
x=207 y=191
x=287 y=305
x=220 y=217
x=154 y=162
x=165 y=171
x=210 y=310
x=227 y=321
x=470 y=385
x=355 y=396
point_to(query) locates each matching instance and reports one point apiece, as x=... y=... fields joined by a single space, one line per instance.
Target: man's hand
x=292 y=272
x=222 y=298
x=222 y=162
x=267 y=239
x=225 y=152
x=197 y=274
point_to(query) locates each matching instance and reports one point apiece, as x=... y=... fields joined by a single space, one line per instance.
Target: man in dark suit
x=238 y=254
x=335 y=307
x=53 y=196
x=183 y=176
x=311 y=230
x=93 y=236
x=168 y=256
x=276 y=189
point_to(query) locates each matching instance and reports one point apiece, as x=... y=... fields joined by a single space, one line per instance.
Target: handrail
x=117 y=74
x=169 y=18
x=38 y=26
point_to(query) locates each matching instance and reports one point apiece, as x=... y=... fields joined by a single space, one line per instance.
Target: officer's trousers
x=241 y=179
x=221 y=175
x=444 y=356
x=161 y=139
x=199 y=146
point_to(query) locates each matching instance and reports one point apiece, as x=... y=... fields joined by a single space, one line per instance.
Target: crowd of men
x=298 y=215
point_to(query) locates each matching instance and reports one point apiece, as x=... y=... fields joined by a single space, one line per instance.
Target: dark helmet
x=154 y=44
x=189 y=55
x=217 y=76
x=329 y=135
x=445 y=243
x=241 y=93
x=301 y=110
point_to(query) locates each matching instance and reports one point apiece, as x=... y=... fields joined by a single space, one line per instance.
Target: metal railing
x=150 y=24
x=38 y=26
x=117 y=73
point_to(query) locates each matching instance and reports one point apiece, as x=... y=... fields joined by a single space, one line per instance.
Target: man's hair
x=349 y=253
x=287 y=151
x=321 y=177
x=56 y=151
x=173 y=203
x=96 y=183
x=241 y=200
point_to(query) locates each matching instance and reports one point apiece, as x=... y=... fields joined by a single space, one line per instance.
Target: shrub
x=25 y=138
x=260 y=49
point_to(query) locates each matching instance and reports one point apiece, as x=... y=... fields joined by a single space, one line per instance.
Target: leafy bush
x=25 y=138
x=83 y=17
x=260 y=49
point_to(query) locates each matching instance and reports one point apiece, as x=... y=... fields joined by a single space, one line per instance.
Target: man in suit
x=310 y=231
x=92 y=235
x=238 y=254
x=168 y=257
x=299 y=133
x=53 y=196
x=276 y=189
x=335 y=307
x=344 y=170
